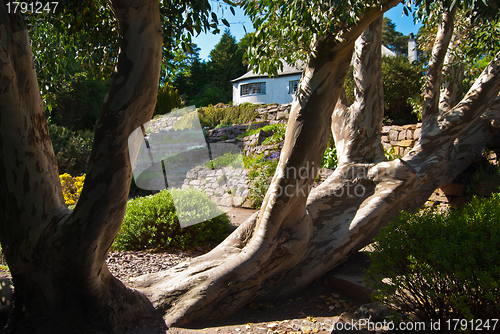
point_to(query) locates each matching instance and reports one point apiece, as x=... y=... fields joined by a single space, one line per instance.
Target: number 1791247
x=32 y=8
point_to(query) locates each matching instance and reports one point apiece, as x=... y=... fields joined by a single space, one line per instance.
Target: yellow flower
x=71 y=187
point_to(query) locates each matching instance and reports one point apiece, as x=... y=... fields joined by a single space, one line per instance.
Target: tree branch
x=430 y=110
x=480 y=96
x=356 y=129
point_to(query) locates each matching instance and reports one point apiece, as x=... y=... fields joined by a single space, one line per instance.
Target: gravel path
x=124 y=265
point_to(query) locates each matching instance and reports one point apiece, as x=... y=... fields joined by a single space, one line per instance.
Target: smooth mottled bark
x=430 y=109
x=263 y=252
x=57 y=257
x=300 y=234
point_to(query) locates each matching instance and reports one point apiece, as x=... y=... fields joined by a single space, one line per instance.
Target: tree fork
x=262 y=252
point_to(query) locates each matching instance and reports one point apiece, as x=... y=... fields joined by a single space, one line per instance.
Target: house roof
x=290 y=70
x=287 y=70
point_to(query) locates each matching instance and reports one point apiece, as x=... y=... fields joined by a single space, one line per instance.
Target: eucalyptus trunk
x=301 y=233
x=57 y=257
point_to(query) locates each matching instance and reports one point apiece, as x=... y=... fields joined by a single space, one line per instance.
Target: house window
x=292 y=86
x=253 y=88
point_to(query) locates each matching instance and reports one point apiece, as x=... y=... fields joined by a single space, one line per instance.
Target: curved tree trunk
x=57 y=257
x=300 y=234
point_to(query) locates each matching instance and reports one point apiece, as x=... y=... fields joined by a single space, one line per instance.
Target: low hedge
x=151 y=223
x=441 y=266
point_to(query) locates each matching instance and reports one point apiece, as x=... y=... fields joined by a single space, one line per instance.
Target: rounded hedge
x=441 y=266
x=151 y=223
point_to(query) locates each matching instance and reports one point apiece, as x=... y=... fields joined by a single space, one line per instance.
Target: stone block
x=417 y=133
x=386 y=129
x=402 y=135
x=393 y=135
x=406 y=143
x=385 y=139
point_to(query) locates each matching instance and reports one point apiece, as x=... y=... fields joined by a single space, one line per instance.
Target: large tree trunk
x=57 y=257
x=299 y=234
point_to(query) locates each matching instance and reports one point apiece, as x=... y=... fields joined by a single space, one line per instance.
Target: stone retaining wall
x=401 y=138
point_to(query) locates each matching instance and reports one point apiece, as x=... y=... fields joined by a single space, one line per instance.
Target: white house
x=260 y=88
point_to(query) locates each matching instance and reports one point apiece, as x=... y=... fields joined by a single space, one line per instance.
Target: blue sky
x=206 y=42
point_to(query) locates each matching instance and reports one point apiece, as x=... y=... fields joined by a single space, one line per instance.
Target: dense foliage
x=402 y=85
x=261 y=170
x=167 y=99
x=72 y=149
x=442 y=266
x=393 y=39
x=151 y=223
x=233 y=114
x=77 y=103
x=204 y=83
x=82 y=36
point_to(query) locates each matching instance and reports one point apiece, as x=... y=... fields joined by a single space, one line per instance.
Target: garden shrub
x=72 y=187
x=441 y=266
x=151 y=222
x=78 y=102
x=72 y=149
x=279 y=129
x=212 y=116
x=484 y=178
x=330 y=158
x=231 y=159
x=261 y=170
x=167 y=99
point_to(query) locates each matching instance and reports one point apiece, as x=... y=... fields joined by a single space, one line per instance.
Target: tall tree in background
x=226 y=64
x=210 y=82
x=393 y=39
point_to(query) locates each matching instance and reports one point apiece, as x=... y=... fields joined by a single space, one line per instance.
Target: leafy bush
x=402 y=81
x=78 y=102
x=278 y=136
x=166 y=100
x=228 y=159
x=330 y=158
x=485 y=178
x=213 y=116
x=402 y=85
x=262 y=169
x=72 y=187
x=441 y=266
x=72 y=149
x=275 y=128
x=151 y=222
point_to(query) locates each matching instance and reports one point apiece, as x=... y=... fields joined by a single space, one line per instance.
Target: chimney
x=412 y=48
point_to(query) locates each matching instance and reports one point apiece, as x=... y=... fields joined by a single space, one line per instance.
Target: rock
x=393 y=135
x=417 y=133
x=405 y=143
